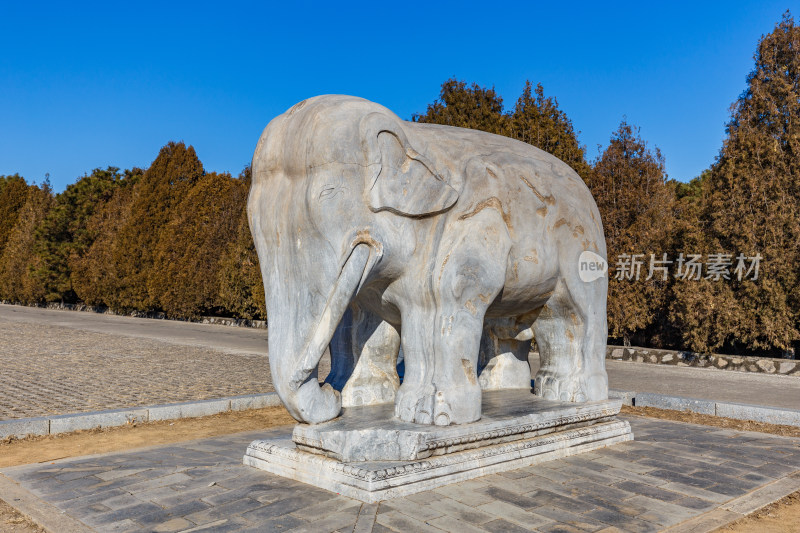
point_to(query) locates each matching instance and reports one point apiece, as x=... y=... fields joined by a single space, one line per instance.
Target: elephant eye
x=329 y=192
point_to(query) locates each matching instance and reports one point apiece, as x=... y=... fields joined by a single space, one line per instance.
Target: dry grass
x=709 y=420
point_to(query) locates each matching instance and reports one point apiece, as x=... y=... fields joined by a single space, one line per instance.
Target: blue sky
x=86 y=85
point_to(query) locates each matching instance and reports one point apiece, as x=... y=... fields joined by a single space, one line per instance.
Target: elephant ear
x=399 y=179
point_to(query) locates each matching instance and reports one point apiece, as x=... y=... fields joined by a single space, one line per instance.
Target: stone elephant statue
x=458 y=245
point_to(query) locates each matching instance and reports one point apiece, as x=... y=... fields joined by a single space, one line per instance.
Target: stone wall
x=765 y=365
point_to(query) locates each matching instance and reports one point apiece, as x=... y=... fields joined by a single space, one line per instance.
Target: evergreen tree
x=13 y=193
x=18 y=262
x=185 y=275
x=241 y=288
x=62 y=237
x=629 y=185
x=94 y=274
x=751 y=207
x=161 y=188
x=465 y=106
x=538 y=121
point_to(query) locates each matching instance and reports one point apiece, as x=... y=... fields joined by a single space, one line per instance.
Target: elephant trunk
x=295 y=377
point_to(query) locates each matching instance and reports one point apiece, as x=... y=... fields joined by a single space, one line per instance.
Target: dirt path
x=780 y=517
x=12 y=521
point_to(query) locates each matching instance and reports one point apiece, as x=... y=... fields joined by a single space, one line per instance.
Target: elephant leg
x=570 y=333
x=469 y=274
x=503 y=360
x=375 y=344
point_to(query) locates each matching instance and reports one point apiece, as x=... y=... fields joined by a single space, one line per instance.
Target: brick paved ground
x=56 y=362
x=671 y=473
x=47 y=369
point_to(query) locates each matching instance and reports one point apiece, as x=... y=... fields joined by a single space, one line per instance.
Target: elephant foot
x=413 y=403
x=370 y=391
x=571 y=386
x=458 y=404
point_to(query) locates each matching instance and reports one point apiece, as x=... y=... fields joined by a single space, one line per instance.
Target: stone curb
x=215 y=320
x=52 y=425
x=738 y=411
x=39 y=511
x=738 y=363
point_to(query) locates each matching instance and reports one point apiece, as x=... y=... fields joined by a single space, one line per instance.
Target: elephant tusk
x=354 y=273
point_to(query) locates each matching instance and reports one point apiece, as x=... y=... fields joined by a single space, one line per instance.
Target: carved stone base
x=372 y=433
x=369 y=455
x=375 y=481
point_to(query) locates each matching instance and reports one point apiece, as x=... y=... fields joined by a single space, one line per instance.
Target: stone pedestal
x=369 y=455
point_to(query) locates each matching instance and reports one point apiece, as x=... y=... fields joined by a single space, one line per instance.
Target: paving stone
x=172 y=525
x=236 y=507
x=607 y=476
x=335 y=504
x=501 y=526
x=513 y=513
x=684 y=479
x=425 y=498
x=628 y=475
x=522 y=501
x=331 y=522
x=773 y=469
x=187 y=508
x=154 y=483
x=464 y=493
x=278 y=523
x=624 y=465
x=554 y=475
x=151 y=520
x=706 y=522
x=417 y=511
x=278 y=508
x=623 y=521
x=755 y=500
x=562 y=518
x=123 y=513
x=660 y=512
x=649 y=491
x=562 y=528
x=111 y=475
x=399 y=522
x=696 y=503
x=366 y=518
x=696 y=492
x=453 y=525
x=122 y=526
x=659 y=464
x=614 y=492
x=462 y=512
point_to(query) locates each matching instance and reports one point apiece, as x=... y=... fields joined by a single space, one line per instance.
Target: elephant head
x=328 y=175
